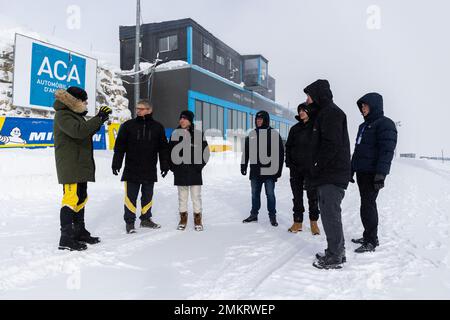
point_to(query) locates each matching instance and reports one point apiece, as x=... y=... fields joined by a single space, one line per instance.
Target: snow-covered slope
x=229 y=260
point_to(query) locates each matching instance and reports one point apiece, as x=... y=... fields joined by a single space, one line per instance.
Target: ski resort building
x=223 y=88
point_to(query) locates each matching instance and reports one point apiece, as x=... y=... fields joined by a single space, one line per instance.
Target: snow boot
x=366 y=247
x=296 y=228
x=315 y=228
x=198 y=222
x=251 y=219
x=183 y=221
x=273 y=221
x=80 y=232
x=67 y=241
x=329 y=263
x=130 y=228
x=149 y=224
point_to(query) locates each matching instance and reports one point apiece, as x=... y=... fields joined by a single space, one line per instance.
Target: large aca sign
x=40 y=69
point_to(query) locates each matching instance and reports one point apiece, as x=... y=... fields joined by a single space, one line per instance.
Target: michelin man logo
x=14 y=137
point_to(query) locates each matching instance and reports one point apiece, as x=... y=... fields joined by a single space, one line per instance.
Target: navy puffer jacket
x=376 y=140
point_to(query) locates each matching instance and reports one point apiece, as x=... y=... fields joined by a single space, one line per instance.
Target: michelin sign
x=40 y=69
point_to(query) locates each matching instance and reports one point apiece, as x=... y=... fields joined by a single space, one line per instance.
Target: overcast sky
x=407 y=60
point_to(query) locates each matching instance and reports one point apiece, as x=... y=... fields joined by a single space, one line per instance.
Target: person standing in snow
x=264 y=151
x=299 y=161
x=75 y=164
x=189 y=155
x=372 y=158
x=331 y=170
x=140 y=141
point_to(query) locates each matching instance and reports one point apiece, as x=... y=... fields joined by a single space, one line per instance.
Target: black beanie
x=78 y=93
x=188 y=115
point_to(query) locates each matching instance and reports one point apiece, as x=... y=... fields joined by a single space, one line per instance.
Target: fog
x=400 y=50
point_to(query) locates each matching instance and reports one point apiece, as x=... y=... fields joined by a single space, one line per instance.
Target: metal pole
x=443 y=156
x=137 y=57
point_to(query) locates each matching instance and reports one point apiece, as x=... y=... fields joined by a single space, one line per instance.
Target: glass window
x=220 y=120
x=235 y=119
x=230 y=118
x=169 y=43
x=206 y=116
x=213 y=124
x=264 y=74
x=244 y=121
x=220 y=60
x=208 y=50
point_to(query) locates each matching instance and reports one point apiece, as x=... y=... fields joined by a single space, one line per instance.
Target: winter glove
x=243 y=170
x=378 y=181
x=104 y=113
x=315 y=171
x=116 y=171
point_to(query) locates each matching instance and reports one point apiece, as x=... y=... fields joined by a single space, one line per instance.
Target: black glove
x=243 y=170
x=116 y=171
x=164 y=173
x=378 y=181
x=315 y=171
x=104 y=113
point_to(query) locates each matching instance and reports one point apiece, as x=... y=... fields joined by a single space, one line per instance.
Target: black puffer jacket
x=376 y=140
x=141 y=140
x=253 y=142
x=330 y=140
x=188 y=172
x=299 y=152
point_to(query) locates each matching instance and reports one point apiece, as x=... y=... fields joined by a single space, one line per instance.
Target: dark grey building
x=222 y=87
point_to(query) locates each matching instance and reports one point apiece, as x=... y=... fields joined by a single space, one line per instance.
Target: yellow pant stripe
x=147 y=207
x=70 y=198
x=128 y=202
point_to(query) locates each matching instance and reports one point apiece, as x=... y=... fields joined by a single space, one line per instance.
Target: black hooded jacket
x=376 y=140
x=188 y=173
x=299 y=152
x=140 y=141
x=330 y=139
x=253 y=142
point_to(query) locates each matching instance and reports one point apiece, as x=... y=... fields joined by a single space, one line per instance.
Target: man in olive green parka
x=75 y=163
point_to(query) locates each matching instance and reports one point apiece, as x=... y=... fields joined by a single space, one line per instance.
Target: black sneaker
x=251 y=219
x=150 y=224
x=130 y=228
x=321 y=256
x=361 y=241
x=366 y=247
x=329 y=263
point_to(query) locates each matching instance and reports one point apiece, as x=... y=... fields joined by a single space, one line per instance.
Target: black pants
x=131 y=196
x=330 y=199
x=369 y=211
x=298 y=185
x=73 y=203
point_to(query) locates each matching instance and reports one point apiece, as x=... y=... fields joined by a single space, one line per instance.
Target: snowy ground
x=227 y=261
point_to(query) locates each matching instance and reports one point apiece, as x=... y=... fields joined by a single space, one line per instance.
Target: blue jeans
x=256 y=196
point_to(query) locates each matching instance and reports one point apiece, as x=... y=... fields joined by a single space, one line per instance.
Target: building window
x=208 y=51
x=169 y=43
x=206 y=116
x=220 y=60
x=220 y=119
x=198 y=112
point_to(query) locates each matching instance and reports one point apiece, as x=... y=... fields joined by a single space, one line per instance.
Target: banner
x=36 y=133
x=40 y=69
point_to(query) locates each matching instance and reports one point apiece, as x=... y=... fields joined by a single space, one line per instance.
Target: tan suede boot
x=315 y=228
x=198 y=222
x=183 y=221
x=296 y=228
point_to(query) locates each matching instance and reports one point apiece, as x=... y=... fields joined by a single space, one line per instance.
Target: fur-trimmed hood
x=65 y=100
